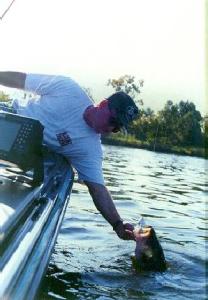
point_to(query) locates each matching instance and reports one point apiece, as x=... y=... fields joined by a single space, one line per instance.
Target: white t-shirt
x=60 y=109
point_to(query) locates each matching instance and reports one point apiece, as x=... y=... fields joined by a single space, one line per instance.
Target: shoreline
x=133 y=143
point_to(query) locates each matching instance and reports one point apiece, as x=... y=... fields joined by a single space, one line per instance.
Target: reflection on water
x=90 y=262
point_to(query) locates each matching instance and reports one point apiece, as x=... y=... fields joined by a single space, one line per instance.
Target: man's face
x=101 y=119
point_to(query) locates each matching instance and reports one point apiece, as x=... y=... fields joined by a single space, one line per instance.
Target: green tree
x=144 y=127
x=129 y=85
x=4 y=97
x=181 y=124
x=205 y=134
x=190 y=124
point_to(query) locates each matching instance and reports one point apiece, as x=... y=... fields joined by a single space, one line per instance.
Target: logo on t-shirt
x=63 y=138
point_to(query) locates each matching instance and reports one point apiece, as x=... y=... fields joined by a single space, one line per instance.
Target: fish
x=149 y=255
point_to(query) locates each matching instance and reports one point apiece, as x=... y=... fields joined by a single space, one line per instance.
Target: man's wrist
x=116 y=224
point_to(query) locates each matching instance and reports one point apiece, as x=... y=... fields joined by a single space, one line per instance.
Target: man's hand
x=125 y=231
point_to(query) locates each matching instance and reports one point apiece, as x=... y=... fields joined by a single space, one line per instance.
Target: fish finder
x=21 y=143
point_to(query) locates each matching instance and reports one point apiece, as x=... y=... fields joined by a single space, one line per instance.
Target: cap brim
x=123 y=120
x=124 y=124
x=123 y=130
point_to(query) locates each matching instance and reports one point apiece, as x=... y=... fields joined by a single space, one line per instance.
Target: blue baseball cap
x=124 y=108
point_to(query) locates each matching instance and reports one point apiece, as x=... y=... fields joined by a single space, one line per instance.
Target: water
x=169 y=191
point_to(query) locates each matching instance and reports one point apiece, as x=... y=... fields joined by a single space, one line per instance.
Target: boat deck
x=15 y=198
x=30 y=219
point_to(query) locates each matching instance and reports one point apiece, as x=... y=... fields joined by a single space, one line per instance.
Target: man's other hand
x=125 y=231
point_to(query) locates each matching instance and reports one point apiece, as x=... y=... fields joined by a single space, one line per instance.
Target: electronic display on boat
x=8 y=133
x=21 y=142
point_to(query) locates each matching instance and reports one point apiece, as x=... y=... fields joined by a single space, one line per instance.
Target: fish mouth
x=142 y=233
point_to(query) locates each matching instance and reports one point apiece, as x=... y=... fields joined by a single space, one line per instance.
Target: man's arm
x=13 y=79
x=104 y=203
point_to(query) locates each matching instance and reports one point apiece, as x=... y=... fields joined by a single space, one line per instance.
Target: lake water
x=169 y=191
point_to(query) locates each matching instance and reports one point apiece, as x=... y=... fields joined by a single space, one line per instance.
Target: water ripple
x=169 y=191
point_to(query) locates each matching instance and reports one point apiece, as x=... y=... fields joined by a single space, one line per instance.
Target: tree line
x=176 y=124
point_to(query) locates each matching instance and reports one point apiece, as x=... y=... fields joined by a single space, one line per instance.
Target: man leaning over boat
x=73 y=127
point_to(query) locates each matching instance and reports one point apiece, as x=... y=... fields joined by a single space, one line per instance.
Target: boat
x=35 y=188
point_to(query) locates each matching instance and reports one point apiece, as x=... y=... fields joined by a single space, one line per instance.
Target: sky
x=159 y=41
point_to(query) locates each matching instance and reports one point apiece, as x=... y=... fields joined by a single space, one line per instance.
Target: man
x=72 y=127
